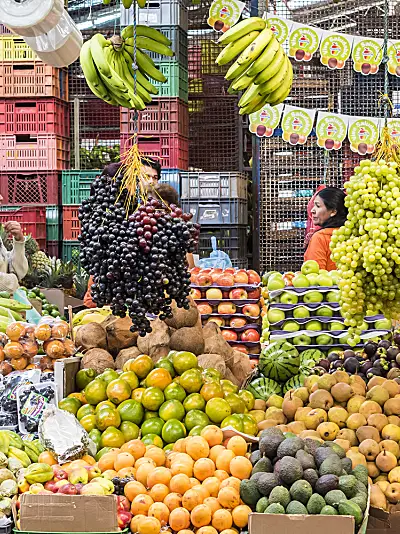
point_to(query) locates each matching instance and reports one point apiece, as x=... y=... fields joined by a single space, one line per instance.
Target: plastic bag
x=217 y=260
x=61 y=434
x=32 y=315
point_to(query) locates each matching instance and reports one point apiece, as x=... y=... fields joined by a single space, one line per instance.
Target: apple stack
x=304 y=309
x=231 y=299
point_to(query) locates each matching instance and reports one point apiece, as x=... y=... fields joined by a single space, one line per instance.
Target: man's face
x=149 y=174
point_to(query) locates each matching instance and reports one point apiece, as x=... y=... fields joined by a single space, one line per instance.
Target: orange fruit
x=231 y=482
x=156 y=454
x=213 y=435
x=109 y=474
x=149 y=525
x=240 y=515
x=202 y=491
x=215 y=451
x=179 y=519
x=182 y=467
x=203 y=468
x=197 y=447
x=185 y=531
x=160 y=511
x=47 y=458
x=107 y=461
x=212 y=485
x=144 y=460
x=221 y=475
x=238 y=445
x=141 y=366
x=183 y=457
x=127 y=472
x=211 y=390
x=158 y=378
x=160 y=475
x=240 y=467
x=158 y=492
x=134 y=488
x=141 y=504
x=228 y=497
x=224 y=460
x=213 y=504
x=173 y=501
x=180 y=445
x=208 y=529
x=191 y=499
x=123 y=459
x=135 y=522
x=143 y=472
x=200 y=516
x=136 y=447
x=180 y=483
x=118 y=391
x=194 y=482
x=222 y=519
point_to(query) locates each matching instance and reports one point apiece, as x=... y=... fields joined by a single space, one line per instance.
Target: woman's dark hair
x=333 y=198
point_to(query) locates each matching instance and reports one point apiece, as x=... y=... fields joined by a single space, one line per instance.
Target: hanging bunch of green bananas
x=261 y=69
x=107 y=65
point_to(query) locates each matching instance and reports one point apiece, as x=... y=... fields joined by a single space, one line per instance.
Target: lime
x=196 y=431
x=152 y=426
x=96 y=391
x=137 y=394
x=196 y=418
x=183 y=361
x=108 y=375
x=112 y=437
x=88 y=422
x=86 y=409
x=164 y=363
x=248 y=398
x=152 y=399
x=131 y=410
x=153 y=439
x=173 y=430
x=236 y=403
x=130 y=430
x=194 y=402
x=191 y=381
x=70 y=404
x=249 y=424
x=172 y=409
x=217 y=409
x=228 y=386
x=150 y=415
x=95 y=436
x=211 y=390
x=104 y=404
x=234 y=421
x=169 y=447
x=108 y=417
x=174 y=391
x=131 y=378
x=211 y=374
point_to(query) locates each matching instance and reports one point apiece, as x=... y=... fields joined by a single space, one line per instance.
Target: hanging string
x=135 y=68
x=385 y=60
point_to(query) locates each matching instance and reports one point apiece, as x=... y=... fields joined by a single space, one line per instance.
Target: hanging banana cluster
x=107 y=65
x=262 y=69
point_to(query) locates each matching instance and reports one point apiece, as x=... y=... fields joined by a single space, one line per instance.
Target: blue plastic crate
x=217 y=212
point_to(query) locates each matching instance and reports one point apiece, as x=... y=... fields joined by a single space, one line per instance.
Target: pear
x=394 y=420
x=378 y=420
x=321 y=399
x=315 y=418
x=328 y=431
x=302 y=393
x=349 y=435
x=370 y=449
x=359 y=389
x=392 y=387
x=276 y=414
x=326 y=381
x=356 y=379
x=311 y=434
x=282 y=428
x=391 y=432
x=386 y=461
x=260 y=404
x=290 y=406
x=391 y=446
x=373 y=471
x=341 y=376
x=368 y=432
x=392 y=493
x=275 y=400
x=353 y=405
x=296 y=427
x=378 y=394
x=382 y=478
x=383 y=484
x=378 y=499
x=375 y=381
x=302 y=413
x=268 y=423
x=342 y=392
x=355 y=420
x=369 y=407
x=356 y=458
x=394 y=475
x=344 y=443
x=310 y=381
x=258 y=415
x=338 y=415
x=392 y=406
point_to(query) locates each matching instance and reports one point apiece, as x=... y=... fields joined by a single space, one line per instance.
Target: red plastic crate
x=32 y=79
x=30 y=188
x=71 y=225
x=44 y=152
x=49 y=116
x=172 y=151
x=32 y=221
x=53 y=248
x=162 y=116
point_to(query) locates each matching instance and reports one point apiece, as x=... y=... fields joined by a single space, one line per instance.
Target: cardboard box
x=68 y=513
x=381 y=521
x=65 y=371
x=61 y=300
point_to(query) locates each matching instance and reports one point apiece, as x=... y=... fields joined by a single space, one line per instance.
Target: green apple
x=310 y=266
x=324 y=339
x=335 y=277
x=291 y=326
x=275 y=282
x=324 y=311
x=336 y=325
x=301 y=313
x=313 y=325
x=332 y=296
x=274 y=315
x=289 y=297
x=324 y=280
x=312 y=278
x=267 y=276
x=300 y=280
x=313 y=296
x=302 y=339
x=383 y=324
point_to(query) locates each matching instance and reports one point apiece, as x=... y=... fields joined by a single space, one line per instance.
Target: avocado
x=348 y=484
x=347 y=465
x=311 y=476
x=296 y=508
x=249 y=492
x=351 y=508
x=328 y=510
x=311 y=445
x=280 y=495
x=326 y=483
x=255 y=456
x=266 y=483
x=264 y=466
x=274 y=508
x=361 y=500
x=262 y=504
x=361 y=474
x=301 y=490
x=256 y=476
x=361 y=488
x=321 y=454
x=289 y=447
x=331 y=466
x=290 y=470
x=270 y=440
x=315 y=504
x=334 y=497
x=306 y=459
x=337 y=449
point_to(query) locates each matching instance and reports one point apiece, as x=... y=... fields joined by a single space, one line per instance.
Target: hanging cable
x=135 y=68
x=385 y=101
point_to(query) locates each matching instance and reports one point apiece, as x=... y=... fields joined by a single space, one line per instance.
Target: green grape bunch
x=366 y=249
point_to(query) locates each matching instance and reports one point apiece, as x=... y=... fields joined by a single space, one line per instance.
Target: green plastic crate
x=71 y=251
x=52 y=223
x=177 y=84
x=76 y=185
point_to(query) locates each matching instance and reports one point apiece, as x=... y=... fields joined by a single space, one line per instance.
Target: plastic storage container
x=76 y=185
x=172 y=151
x=34 y=79
x=30 y=188
x=230 y=239
x=177 y=84
x=52 y=223
x=171 y=177
x=53 y=248
x=44 y=152
x=71 y=226
x=45 y=116
x=210 y=185
x=14 y=48
x=71 y=251
x=158 y=13
x=212 y=213
x=32 y=221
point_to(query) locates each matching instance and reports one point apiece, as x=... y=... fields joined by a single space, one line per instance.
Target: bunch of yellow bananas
x=107 y=65
x=91 y=315
x=262 y=69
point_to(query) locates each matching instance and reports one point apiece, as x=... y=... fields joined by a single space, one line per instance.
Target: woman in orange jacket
x=329 y=212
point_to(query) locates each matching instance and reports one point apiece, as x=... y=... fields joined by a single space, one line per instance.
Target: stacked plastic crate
x=34 y=139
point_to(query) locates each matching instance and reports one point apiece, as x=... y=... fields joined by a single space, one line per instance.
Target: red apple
x=195 y=270
x=203 y=279
x=206 y=270
x=238 y=294
x=79 y=487
x=204 y=309
x=250 y=335
x=193 y=278
x=123 y=503
x=241 y=277
x=254 y=294
x=51 y=486
x=213 y=294
x=241 y=348
x=251 y=310
x=61 y=483
x=237 y=322
x=59 y=474
x=68 y=489
x=254 y=277
x=93 y=471
x=217 y=320
x=229 y=270
x=229 y=335
x=226 y=308
x=215 y=274
x=195 y=293
x=225 y=279
x=124 y=518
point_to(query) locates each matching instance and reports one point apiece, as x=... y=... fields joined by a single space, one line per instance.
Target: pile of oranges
x=196 y=486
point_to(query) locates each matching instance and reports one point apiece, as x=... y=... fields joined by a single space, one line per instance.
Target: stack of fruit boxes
x=34 y=133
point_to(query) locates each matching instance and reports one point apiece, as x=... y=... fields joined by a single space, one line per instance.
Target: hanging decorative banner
x=331 y=130
x=367 y=55
x=264 y=121
x=394 y=128
x=363 y=134
x=335 y=49
x=297 y=124
x=394 y=58
x=303 y=41
x=224 y=13
x=280 y=27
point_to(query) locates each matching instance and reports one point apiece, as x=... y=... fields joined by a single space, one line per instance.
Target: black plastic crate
x=229 y=211
x=230 y=239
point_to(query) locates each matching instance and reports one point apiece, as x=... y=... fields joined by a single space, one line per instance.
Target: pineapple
x=31 y=246
x=60 y=275
x=39 y=261
x=5 y=237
